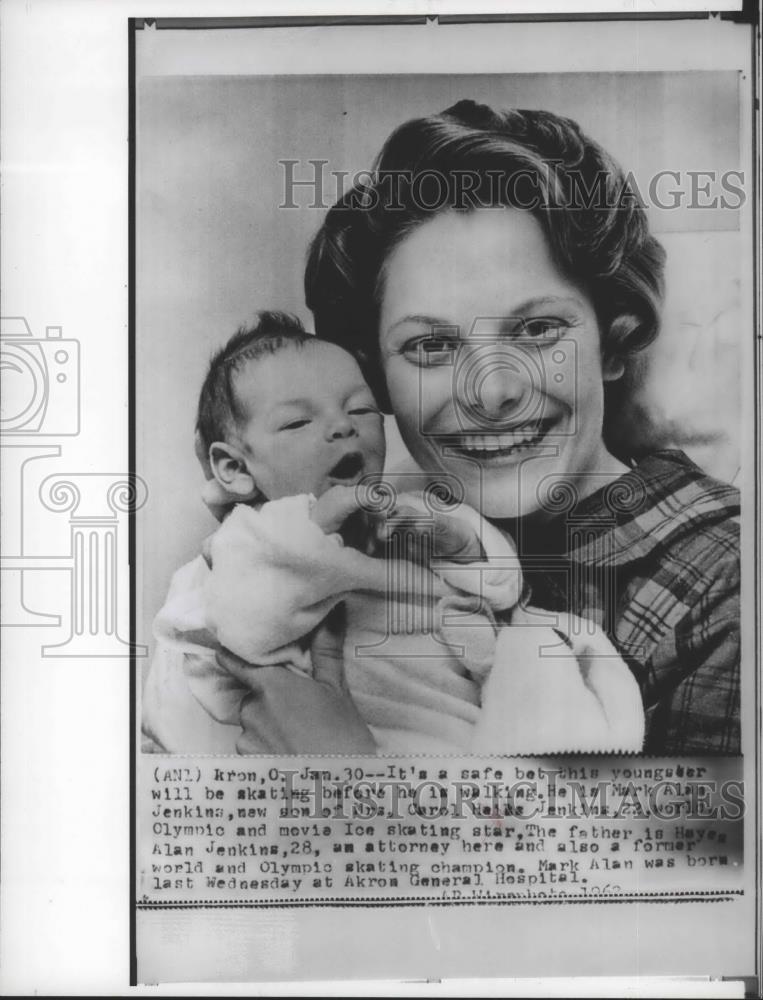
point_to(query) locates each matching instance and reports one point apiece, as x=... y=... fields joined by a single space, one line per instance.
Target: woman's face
x=492 y=361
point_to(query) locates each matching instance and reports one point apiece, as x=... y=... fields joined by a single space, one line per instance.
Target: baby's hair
x=220 y=410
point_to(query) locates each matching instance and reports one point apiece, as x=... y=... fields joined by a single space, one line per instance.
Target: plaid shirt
x=653 y=558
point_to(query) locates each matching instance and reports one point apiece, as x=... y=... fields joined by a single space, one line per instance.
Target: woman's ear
x=613 y=367
x=230 y=470
x=621 y=338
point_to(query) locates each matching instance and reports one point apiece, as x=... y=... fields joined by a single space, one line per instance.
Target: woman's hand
x=338 y=511
x=289 y=713
x=451 y=537
x=333 y=507
x=609 y=678
x=546 y=694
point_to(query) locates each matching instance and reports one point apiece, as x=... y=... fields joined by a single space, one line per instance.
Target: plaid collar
x=664 y=496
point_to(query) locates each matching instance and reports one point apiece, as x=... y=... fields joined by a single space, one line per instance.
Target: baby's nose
x=341 y=427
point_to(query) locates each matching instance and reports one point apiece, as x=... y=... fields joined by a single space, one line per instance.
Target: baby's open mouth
x=348 y=467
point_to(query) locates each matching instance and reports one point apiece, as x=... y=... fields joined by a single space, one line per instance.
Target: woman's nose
x=500 y=388
x=340 y=426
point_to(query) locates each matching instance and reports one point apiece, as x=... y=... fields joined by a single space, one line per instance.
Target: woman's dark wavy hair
x=470 y=156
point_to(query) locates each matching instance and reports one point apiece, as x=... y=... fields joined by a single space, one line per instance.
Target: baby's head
x=282 y=413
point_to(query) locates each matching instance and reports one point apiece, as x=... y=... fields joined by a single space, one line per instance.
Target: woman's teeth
x=519 y=439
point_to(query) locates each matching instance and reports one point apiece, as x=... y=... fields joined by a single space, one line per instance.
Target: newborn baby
x=292 y=431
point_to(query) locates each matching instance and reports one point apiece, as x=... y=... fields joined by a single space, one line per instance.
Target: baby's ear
x=231 y=472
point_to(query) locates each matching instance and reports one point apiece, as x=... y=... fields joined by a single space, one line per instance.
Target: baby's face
x=312 y=421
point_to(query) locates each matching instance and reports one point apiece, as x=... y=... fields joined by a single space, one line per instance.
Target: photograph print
x=439 y=394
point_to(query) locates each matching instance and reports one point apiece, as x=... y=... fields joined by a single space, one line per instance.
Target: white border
x=64 y=257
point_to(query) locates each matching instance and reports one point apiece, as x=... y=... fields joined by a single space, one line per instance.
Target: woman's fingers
x=544 y=696
x=253 y=737
x=455 y=538
x=534 y=700
x=607 y=690
x=441 y=536
x=291 y=713
x=606 y=674
x=338 y=723
x=402 y=535
x=327 y=650
x=332 y=509
x=241 y=669
x=264 y=711
x=286 y=712
x=270 y=712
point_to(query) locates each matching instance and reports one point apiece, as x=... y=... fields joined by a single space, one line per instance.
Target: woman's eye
x=544 y=330
x=430 y=351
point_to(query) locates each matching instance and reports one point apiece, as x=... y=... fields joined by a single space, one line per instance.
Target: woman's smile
x=505 y=447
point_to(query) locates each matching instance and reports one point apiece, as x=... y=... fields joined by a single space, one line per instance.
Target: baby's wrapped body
x=429 y=660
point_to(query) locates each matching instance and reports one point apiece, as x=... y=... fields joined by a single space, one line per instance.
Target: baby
x=291 y=430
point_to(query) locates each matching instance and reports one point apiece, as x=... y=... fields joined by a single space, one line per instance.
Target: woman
x=493 y=278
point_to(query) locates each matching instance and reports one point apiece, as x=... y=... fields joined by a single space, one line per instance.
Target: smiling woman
x=495 y=304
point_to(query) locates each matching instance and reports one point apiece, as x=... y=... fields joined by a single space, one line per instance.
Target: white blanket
x=427 y=664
